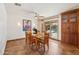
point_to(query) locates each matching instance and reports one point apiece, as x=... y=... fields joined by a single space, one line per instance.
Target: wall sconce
x=19 y=24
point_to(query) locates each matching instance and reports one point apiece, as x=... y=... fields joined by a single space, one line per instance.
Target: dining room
x=40 y=29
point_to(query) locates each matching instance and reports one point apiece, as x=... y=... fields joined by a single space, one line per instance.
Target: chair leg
x=48 y=45
x=41 y=48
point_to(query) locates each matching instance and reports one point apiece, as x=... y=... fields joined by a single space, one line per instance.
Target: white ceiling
x=43 y=9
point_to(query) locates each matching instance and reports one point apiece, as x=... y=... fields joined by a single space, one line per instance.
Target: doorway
x=54 y=30
x=52 y=27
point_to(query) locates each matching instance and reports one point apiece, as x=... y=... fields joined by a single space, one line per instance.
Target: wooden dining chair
x=43 y=43
x=31 y=39
x=46 y=39
x=29 y=36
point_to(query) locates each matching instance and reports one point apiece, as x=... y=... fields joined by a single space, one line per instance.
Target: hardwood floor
x=19 y=47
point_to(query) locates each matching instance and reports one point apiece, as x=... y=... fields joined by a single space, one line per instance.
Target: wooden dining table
x=39 y=37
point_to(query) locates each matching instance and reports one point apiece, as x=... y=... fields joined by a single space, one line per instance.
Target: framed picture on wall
x=26 y=25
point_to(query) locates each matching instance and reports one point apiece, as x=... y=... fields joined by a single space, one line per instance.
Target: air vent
x=17 y=4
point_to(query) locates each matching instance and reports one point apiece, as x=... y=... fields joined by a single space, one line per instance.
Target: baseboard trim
x=3 y=48
x=16 y=39
x=54 y=39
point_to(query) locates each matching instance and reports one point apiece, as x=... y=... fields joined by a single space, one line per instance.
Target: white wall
x=15 y=16
x=3 y=31
x=14 y=30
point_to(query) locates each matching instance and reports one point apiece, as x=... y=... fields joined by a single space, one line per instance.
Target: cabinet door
x=64 y=28
x=65 y=38
x=74 y=39
x=73 y=29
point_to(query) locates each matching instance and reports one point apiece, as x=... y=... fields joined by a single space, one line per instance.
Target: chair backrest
x=29 y=36
x=46 y=38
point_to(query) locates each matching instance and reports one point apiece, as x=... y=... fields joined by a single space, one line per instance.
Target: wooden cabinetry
x=70 y=27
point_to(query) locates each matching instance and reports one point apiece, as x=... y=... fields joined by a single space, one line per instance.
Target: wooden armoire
x=70 y=27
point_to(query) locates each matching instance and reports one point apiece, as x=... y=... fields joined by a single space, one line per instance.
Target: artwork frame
x=27 y=25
